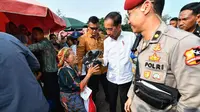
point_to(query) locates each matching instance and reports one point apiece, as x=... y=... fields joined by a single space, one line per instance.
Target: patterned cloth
x=61 y=55
x=68 y=80
x=48 y=55
x=72 y=102
x=69 y=83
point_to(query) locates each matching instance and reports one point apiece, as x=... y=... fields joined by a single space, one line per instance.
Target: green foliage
x=101 y=23
x=126 y=27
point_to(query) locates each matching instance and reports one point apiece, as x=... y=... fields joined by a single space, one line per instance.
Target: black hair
x=38 y=29
x=11 y=23
x=174 y=19
x=74 y=40
x=116 y=17
x=93 y=19
x=191 y=6
x=8 y=28
x=159 y=6
x=51 y=36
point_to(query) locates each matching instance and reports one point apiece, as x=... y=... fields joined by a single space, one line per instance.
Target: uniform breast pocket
x=155 y=68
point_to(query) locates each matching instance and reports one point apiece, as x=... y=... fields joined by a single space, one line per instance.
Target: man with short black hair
x=188 y=18
x=92 y=40
x=167 y=69
x=174 y=22
x=117 y=50
x=158 y=6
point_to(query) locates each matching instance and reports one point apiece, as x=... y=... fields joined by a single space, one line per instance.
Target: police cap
x=130 y=4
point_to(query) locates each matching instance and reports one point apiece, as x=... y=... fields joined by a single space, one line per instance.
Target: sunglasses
x=93 y=28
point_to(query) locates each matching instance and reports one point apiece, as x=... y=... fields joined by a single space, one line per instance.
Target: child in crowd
x=69 y=81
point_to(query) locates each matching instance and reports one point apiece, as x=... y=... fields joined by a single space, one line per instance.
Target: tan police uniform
x=171 y=57
x=87 y=43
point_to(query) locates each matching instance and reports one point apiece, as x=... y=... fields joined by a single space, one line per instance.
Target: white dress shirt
x=117 y=56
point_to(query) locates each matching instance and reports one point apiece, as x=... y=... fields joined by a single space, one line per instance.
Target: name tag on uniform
x=158 y=66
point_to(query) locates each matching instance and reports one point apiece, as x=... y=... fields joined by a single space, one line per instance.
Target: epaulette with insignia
x=156 y=37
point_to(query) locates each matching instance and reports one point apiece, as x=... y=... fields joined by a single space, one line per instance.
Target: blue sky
x=83 y=9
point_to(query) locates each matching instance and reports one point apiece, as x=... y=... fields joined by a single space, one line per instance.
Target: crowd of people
x=40 y=74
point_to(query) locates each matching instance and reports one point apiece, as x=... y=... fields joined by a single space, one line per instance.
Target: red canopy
x=31 y=14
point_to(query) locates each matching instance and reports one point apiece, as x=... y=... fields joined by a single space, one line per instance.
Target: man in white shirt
x=117 y=50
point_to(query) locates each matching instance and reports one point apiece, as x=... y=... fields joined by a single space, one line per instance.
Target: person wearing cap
x=72 y=40
x=188 y=18
x=167 y=73
x=92 y=40
x=62 y=38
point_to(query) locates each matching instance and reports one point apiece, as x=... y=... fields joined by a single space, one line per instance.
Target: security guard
x=167 y=73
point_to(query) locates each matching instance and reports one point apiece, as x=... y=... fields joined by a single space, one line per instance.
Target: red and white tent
x=31 y=14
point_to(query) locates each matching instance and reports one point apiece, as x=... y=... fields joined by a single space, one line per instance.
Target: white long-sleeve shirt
x=117 y=56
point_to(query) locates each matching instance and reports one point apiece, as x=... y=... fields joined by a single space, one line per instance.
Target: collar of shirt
x=119 y=37
x=90 y=35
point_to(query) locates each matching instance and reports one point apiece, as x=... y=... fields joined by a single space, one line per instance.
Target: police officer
x=167 y=73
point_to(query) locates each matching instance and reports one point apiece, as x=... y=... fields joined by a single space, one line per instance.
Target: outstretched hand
x=92 y=69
